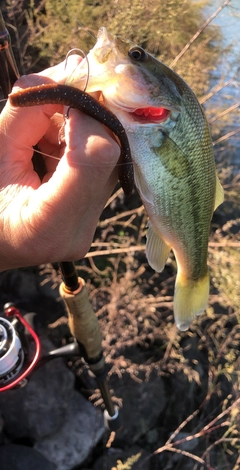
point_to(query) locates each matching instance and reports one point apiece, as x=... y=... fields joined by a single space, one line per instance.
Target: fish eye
x=137 y=53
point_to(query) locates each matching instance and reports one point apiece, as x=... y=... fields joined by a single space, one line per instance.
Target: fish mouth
x=141 y=115
x=150 y=114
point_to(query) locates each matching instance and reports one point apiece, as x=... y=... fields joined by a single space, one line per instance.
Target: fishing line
x=225 y=137
x=27 y=147
x=79 y=22
x=87 y=79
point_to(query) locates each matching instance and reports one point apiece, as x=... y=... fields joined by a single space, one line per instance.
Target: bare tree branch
x=195 y=36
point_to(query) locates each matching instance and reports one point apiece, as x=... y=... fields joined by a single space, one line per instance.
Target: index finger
x=22 y=128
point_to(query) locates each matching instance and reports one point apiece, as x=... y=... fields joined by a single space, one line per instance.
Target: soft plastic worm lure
x=74 y=98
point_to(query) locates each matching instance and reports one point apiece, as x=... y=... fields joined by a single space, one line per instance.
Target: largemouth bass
x=174 y=168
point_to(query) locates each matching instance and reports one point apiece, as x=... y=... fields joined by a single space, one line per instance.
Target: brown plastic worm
x=70 y=96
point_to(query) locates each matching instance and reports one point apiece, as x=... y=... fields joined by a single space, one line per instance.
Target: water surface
x=228 y=70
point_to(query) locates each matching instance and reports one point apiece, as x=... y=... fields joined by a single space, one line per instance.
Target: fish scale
x=174 y=168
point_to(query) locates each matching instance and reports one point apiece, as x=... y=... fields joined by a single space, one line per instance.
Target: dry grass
x=134 y=308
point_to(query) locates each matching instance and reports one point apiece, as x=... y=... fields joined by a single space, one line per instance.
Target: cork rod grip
x=83 y=322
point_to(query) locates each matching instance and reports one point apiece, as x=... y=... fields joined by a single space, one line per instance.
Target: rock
x=27 y=289
x=60 y=423
x=18 y=457
x=152 y=436
x=134 y=458
x=142 y=405
x=187 y=445
x=80 y=432
x=40 y=408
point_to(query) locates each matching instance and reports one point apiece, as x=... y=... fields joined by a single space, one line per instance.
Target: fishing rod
x=83 y=322
x=8 y=68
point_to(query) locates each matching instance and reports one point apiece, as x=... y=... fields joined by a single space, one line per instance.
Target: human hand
x=52 y=220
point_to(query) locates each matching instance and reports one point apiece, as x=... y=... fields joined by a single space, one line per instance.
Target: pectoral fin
x=157 y=250
x=219 y=195
x=142 y=186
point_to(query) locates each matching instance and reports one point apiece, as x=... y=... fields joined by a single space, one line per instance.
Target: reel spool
x=11 y=352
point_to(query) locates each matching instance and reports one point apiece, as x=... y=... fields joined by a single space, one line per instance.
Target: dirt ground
x=157 y=376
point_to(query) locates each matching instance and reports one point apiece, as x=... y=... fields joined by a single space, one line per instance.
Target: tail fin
x=190 y=299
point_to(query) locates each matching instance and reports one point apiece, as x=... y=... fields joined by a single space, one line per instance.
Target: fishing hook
x=66 y=115
x=85 y=57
